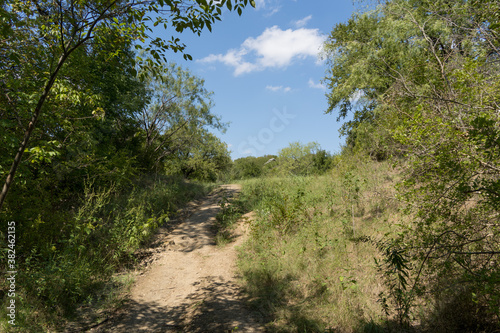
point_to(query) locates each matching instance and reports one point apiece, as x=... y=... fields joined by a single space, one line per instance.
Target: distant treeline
x=296 y=159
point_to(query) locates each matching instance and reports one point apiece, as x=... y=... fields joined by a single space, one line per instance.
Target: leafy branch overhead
x=428 y=76
x=97 y=140
x=38 y=37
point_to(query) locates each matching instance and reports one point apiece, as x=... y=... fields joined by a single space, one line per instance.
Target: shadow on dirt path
x=191 y=286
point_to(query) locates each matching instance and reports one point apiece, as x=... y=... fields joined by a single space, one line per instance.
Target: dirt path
x=191 y=286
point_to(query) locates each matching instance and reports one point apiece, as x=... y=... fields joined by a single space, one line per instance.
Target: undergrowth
x=326 y=254
x=89 y=244
x=231 y=210
x=307 y=264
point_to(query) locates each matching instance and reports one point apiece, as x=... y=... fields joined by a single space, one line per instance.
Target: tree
x=246 y=167
x=366 y=56
x=207 y=159
x=322 y=161
x=179 y=108
x=250 y=166
x=46 y=33
x=297 y=158
x=430 y=72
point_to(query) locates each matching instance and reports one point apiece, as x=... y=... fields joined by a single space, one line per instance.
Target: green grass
x=231 y=210
x=306 y=264
x=94 y=241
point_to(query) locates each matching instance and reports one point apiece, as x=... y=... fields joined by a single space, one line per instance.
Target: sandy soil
x=191 y=285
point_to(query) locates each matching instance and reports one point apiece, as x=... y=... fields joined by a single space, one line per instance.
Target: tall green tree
x=177 y=115
x=250 y=166
x=72 y=146
x=38 y=37
x=297 y=158
x=429 y=76
x=207 y=158
x=246 y=167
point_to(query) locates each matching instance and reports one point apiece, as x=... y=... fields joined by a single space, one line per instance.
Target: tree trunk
x=29 y=130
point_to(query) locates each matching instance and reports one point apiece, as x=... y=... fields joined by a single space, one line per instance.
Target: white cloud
x=232 y=58
x=248 y=151
x=315 y=85
x=303 y=22
x=270 y=7
x=274 y=48
x=356 y=96
x=273 y=11
x=279 y=88
x=260 y=4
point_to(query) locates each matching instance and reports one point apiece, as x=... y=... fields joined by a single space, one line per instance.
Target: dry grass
x=306 y=265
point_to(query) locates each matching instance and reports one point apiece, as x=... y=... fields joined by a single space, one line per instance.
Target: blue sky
x=265 y=72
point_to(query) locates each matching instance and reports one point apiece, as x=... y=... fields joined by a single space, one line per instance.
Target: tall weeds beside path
x=89 y=243
x=306 y=264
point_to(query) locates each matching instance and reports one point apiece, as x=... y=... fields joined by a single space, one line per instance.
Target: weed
x=231 y=210
x=395 y=270
x=304 y=266
x=82 y=248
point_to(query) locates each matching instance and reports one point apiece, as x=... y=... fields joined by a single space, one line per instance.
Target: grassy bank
x=84 y=247
x=307 y=264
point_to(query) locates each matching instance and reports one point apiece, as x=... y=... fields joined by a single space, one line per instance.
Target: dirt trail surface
x=191 y=285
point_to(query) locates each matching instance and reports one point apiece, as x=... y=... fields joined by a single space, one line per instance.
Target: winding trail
x=192 y=285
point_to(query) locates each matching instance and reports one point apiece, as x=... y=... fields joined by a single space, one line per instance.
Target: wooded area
x=97 y=131
x=427 y=73
x=103 y=139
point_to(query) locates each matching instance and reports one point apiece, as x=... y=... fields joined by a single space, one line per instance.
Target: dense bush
x=250 y=167
x=68 y=256
x=422 y=79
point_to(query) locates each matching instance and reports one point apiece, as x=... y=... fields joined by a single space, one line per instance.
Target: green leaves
x=70 y=106
x=297 y=158
x=430 y=94
x=395 y=269
x=45 y=153
x=175 y=126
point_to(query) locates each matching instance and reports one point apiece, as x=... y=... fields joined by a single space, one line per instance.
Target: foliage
x=45 y=35
x=250 y=167
x=322 y=161
x=427 y=77
x=394 y=268
x=177 y=118
x=300 y=269
x=68 y=257
x=207 y=160
x=301 y=159
x=297 y=158
x=69 y=147
x=72 y=90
